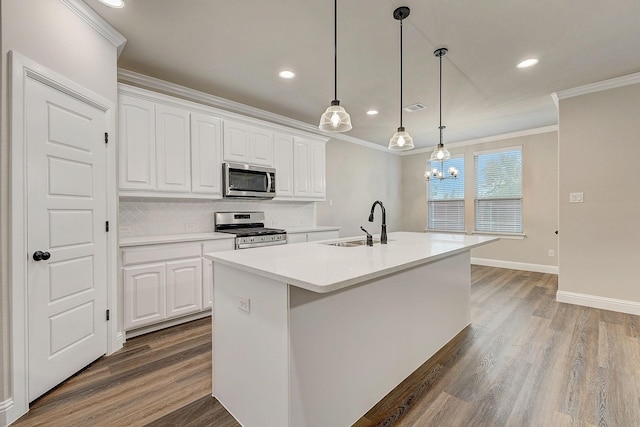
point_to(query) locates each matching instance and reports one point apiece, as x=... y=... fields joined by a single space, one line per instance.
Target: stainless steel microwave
x=248 y=181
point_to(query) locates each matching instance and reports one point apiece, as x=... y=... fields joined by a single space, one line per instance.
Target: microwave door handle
x=268 y=182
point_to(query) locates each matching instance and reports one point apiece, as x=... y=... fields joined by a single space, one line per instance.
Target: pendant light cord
x=335 y=49
x=401 y=73
x=440 y=99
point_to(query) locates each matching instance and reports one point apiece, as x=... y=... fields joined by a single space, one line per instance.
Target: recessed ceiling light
x=372 y=112
x=114 y=3
x=286 y=74
x=528 y=63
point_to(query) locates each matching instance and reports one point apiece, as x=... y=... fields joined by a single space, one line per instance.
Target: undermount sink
x=351 y=243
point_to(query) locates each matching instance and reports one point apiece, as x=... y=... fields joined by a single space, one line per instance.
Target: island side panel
x=250 y=349
x=351 y=347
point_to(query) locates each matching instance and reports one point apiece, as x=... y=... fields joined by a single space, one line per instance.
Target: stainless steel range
x=249 y=229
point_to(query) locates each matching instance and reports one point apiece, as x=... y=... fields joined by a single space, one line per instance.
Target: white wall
x=599 y=150
x=357 y=176
x=540 y=200
x=48 y=32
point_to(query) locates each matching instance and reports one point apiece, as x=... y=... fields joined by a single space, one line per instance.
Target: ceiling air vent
x=414 y=107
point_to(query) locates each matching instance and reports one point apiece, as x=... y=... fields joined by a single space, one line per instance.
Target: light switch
x=576 y=197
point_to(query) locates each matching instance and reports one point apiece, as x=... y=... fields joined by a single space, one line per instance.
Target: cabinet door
x=144 y=295
x=184 y=287
x=207 y=283
x=136 y=143
x=236 y=142
x=261 y=146
x=283 y=162
x=317 y=169
x=173 y=151
x=301 y=168
x=206 y=154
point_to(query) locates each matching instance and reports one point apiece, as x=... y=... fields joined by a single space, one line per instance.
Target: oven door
x=248 y=181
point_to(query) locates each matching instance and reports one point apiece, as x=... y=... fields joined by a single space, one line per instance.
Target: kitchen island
x=315 y=334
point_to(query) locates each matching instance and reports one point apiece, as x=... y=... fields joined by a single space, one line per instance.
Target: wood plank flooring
x=526 y=360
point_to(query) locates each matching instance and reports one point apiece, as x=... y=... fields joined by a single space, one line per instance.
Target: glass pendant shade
x=335 y=119
x=401 y=140
x=440 y=153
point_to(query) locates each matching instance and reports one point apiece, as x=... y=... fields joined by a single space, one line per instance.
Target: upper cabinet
x=173 y=149
x=137 y=143
x=206 y=156
x=309 y=169
x=170 y=147
x=248 y=144
x=166 y=148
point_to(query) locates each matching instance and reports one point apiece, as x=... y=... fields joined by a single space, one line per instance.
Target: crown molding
x=136 y=79
x=96 y=22
x=510 y=135
x=598 y=86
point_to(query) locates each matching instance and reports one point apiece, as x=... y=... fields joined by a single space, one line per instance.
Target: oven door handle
x=268 y=182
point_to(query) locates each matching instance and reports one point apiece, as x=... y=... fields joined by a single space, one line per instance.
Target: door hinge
x=106 y=228
x=106 y=138
x=108 y=313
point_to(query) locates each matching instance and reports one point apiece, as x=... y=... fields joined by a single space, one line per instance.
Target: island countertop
x=322 y=268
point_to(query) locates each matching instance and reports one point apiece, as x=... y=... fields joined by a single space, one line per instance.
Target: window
x=445 y=199
x=498 y=181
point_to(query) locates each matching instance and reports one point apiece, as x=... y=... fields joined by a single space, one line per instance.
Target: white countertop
x=172 y=238
x=323 y=268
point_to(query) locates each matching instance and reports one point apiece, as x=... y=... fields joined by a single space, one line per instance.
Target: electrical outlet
x=244 y=304
x=552 y=252
x=190 y=227
x=576 y=197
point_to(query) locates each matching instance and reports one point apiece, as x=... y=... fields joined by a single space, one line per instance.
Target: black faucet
x=383 y=235
x=369 y=237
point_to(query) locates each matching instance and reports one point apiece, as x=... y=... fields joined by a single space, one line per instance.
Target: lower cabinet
x=166 y=281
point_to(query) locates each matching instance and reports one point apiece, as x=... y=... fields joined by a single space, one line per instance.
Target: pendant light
x=335 y=118
x=440 y=153
x=401 y=140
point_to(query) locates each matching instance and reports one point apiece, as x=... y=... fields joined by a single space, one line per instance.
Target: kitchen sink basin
x=352 y=243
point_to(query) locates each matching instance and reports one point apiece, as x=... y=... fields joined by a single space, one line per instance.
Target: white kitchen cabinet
x=136 y=143
x=173 y=149
x=167 y=282
x=309 y=169
x=144 y=295
x=184 y=287
x=283 y=162
x=247 y=144
x=206 y=154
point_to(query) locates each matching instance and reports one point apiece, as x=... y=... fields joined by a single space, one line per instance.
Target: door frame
x=22 y=68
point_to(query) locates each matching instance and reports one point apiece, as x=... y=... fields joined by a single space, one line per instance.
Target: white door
x=283 y=161
x=66 y=215
x=261 y=147
x=136 y=143
x=235 y=142
x=144 y=295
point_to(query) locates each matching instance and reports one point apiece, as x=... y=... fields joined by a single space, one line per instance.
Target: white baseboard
x=537 y=268
x=604 y=303
x=7 y=413
x=173 y=322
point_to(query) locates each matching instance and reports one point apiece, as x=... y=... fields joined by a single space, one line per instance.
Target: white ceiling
x=234 y=49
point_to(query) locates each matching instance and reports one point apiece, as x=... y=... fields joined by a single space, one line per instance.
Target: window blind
x=498 y=199
x=445 y=198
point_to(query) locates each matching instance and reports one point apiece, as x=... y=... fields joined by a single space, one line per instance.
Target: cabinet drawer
x=145 y=254
x=218 y=245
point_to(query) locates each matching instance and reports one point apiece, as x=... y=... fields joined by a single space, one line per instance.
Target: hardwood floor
x=526 y=360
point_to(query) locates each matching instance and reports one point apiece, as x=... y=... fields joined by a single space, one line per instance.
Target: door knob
x=39 y=255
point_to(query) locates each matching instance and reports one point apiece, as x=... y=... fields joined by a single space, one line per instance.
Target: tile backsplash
x=153 y=217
